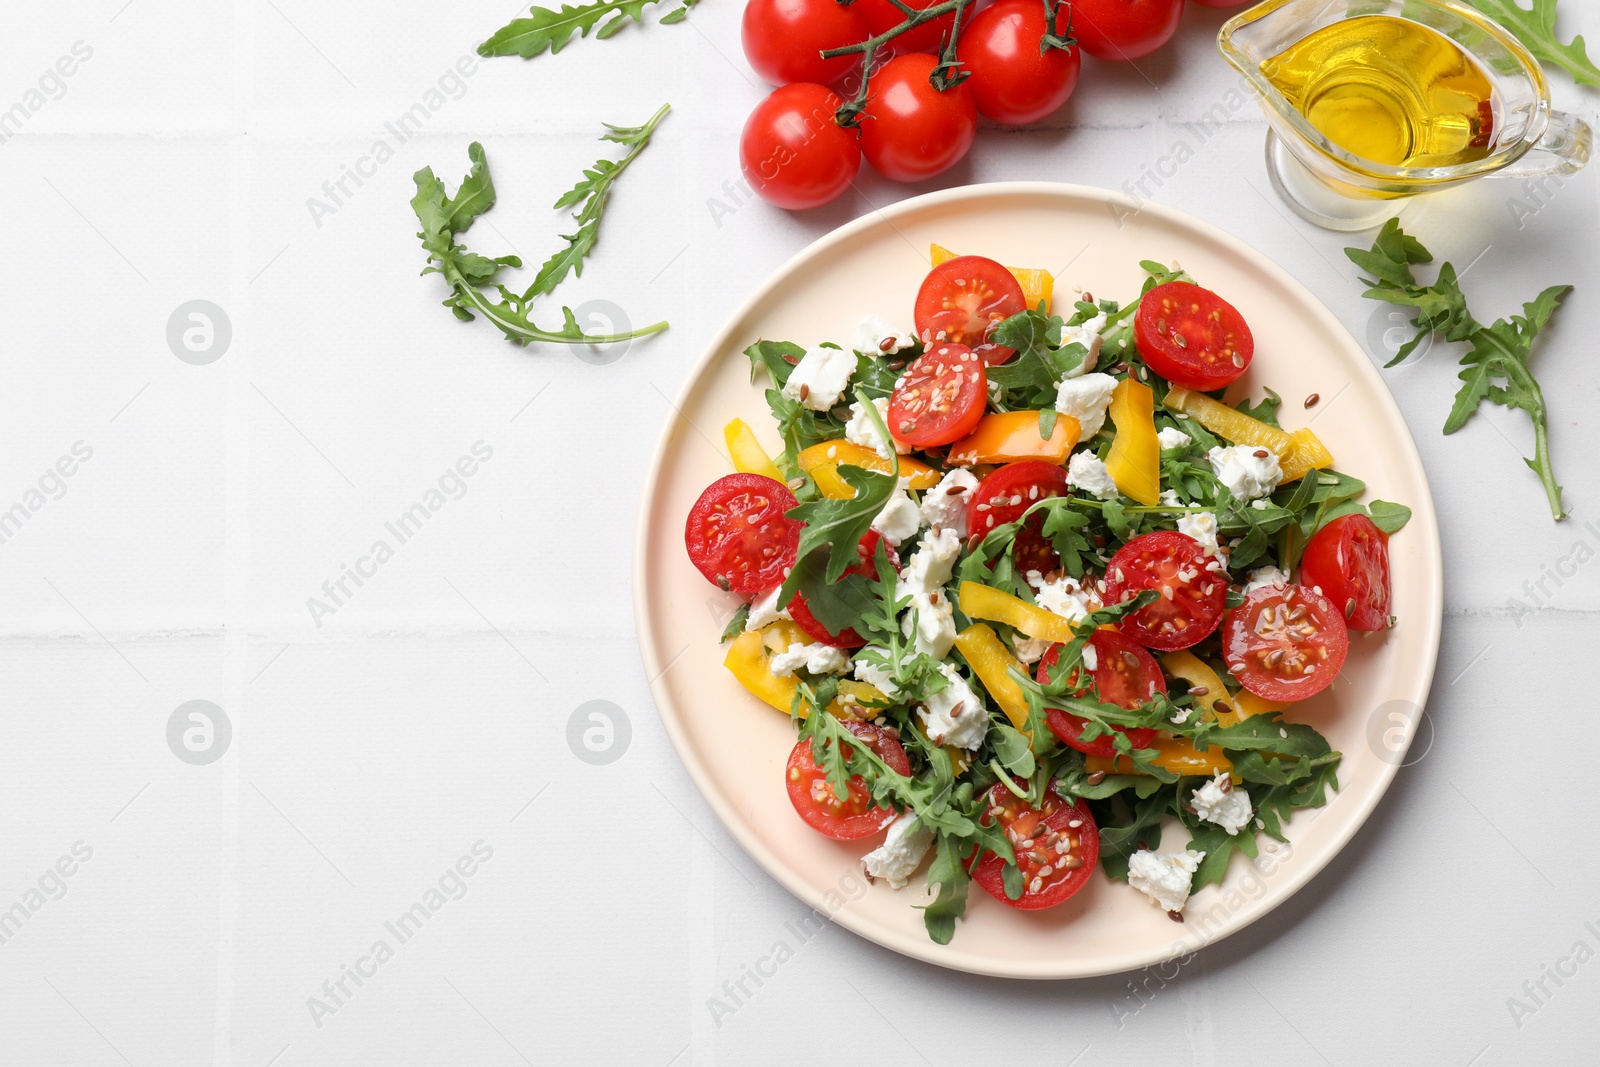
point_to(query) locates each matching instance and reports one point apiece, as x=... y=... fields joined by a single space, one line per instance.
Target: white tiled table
x=428 y=714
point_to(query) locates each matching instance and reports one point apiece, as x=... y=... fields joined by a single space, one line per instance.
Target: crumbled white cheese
x=899 y=519
x=1064 y=596
x=944 y=507
x=930 y=623
x=764 y=610
x=1086 y=399
x=861 y=430
x=1261 y=505
x=816 y=658
x=1171 y=437
x=1029 y=650
x=1085 y=471
x=825 y=373
x=871 y=334
x=954 y=715
x=1169 y=497
x=1164 y=877
x=1264 y=576
x=1229 y=810
x=876 y=676
x=901 y=852
x=1202 y=526
x=1091 y=658
x=931 y=564
x=1181 y=717
x=1246 y=474
x=1086 y=334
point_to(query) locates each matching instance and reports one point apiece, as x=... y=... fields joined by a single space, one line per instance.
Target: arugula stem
x=530 y=332
x=1541 y=441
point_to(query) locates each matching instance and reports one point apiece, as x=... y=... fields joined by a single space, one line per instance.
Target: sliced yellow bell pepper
x=1194 y=670
x=1305 y=453
x=749 y=659
x=822 y=462
x=1134 y=461
x=1297 y=453
x=1036 y=284
x=1175 y=754
x=979 y=601
x=1009 y=436
x=991 y=661
x=1247 y=704
x=746 y=452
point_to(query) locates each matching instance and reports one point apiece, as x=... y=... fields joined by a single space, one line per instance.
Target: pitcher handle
x=1564 y=149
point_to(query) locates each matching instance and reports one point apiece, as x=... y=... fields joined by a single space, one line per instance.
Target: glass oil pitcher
x=1370 y=101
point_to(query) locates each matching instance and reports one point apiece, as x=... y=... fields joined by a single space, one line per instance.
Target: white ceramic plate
x=734 y=746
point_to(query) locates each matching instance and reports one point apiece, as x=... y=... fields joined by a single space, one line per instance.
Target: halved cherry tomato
x=1057 y=846
x=813 y=797
x=1004 y=495
x=1349 y=560
x=782 y=38
x=882 y=15
x=911 y=131
x=1124 y=674
x=738 y=535
x=1014 y=80
x=1192 y=584
x=867 y=568
x=1285 y=644
x=939 y=398
x=962 y=299
x=1192 y=336
x=1124 y=29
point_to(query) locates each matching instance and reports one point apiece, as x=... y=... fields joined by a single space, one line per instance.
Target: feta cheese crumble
x=1065 y=596
x=1228 y=809
x=900 y=854
x=816 y=658
x=1202 y=526
x=1085 y=471
x=764 y=610
x=954 y=715
x=899 y=519
x=1086 y=398
x=876 y=676
x=1086 y=334
x=1246 y=470
x=930 y=623
x=1262 y=577
x=931 y=564
x=1091 y=658
x=1171 y=437
x=944 y=507
x=1030 y=650
x=875 y=337
x=861 y=430
x=1164 y=877
x=824 y=373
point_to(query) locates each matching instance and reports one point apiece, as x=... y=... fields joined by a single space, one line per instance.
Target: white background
x=372 y=752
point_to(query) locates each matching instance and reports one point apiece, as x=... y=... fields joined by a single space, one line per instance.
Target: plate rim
x=949 y=956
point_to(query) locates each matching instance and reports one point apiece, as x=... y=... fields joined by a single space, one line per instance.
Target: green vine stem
x=849 y=113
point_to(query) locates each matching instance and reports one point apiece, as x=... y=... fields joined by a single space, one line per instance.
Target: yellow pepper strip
x=1036 y=284
x=1249 y=704
x=1305 y=453
x=991 y=662
x=1014 y=435
x=1134 y=461
x=1175 y=754
x=979 y=601
x=822 y=462
x=1194 y=670
x=749 y=657
x=747 y=454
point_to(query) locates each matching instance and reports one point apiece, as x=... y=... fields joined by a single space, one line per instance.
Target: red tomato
x=940 y=397
x=1285 y=644
x=928 y=37
x=813 y=797
x=962 y=299
x=782 y=38
x=1012 y=83
x=867 y=568
x=1192 y=336
x=1124 y=674
x=1223 y=3
x=792 y=151
x=1124 y=29
x=738 y=535
x=1349 y=560
x=910 y=130
x=1193 y=588
x=1057 y=845
x=1003 y=496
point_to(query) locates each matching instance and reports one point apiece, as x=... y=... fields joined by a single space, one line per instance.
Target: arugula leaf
x=779 y=357
x=1536 y=28
x=1266 y=411
x=735 y=626
x=949 y=874
x=593 y=191
x=1140 y=828
x=443 y=218
x=551 y=31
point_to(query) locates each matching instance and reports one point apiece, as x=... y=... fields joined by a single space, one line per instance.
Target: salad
x=1029 y=588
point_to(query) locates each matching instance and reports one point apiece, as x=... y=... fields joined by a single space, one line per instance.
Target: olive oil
x=1389 y=90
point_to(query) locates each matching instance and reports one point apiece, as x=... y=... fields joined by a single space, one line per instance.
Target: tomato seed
x=1238 y=361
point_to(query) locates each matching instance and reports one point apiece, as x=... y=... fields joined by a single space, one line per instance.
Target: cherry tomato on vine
x=1285 y=643
x=1057 y=845
x=910 y=130
x=813 y=797
x=1124 y=29
x=1192 y=336
x=782 y=38
x=962 y=300
x=792 y=151
x=1348 y=559
x=881 y=15
x=1011 y=81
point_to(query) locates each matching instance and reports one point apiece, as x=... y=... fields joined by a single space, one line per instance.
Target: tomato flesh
x=1193 y=587
x=739 y=536
x=1124 y=674
x=813 y=797
x=1056 y=844
x=962 y=300
x=1285 y=644
x=793 y=153
x=1193 y=337
x=1004 y=495
x=1014 y=81
x=939 y=398
x=1348 y=559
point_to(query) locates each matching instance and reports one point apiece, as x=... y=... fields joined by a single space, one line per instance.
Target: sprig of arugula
x=545 y=30
x=1495 y=366
x=1536 y=28
x=444 y=218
